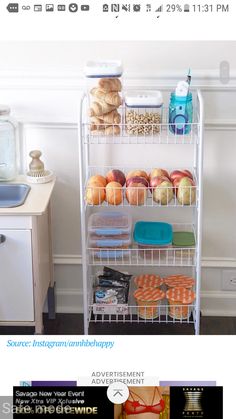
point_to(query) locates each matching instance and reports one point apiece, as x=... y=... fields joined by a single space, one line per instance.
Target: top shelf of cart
x=132 y=130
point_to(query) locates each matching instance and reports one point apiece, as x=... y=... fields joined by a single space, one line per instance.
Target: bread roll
x=108 y=130
x=112 y=98
x=110 y=85
x=99 y=108
x=109 y=118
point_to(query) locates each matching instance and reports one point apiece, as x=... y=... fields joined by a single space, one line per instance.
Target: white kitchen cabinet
x=26 y=265
x=16 y=278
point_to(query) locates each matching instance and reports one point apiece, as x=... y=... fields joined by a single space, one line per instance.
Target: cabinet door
x=16 y=277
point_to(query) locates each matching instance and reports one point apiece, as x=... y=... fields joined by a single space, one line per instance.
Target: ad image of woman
x=143 y=403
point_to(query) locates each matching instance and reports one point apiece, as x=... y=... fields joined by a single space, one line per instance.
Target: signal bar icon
x=160 y=9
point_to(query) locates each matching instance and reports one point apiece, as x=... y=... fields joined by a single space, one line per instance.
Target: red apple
x=159 y=172
x=178 y=174
x=186 y=192
x=114 y=194
x=115 y=175
x=162 y=189
x=95 y=193
x=140 y=173
x=137 y=179
x=136 y=193
x=97 y=178
x=175 y=184
x=187 y=173
x=156 y=181
x=177 y=181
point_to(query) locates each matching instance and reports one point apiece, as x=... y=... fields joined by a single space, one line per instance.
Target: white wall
x=143 y=58
x=42 y=83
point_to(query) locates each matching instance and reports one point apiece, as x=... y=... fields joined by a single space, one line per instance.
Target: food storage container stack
x=180 y=302
x=185 y=281
x=148 y=302
x=104 y=87
x=148 y=281
x=153 y=238
x=148 y=295
x=143 y=112
x=109 y=234
x=184 y=244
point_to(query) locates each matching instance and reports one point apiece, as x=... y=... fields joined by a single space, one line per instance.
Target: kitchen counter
x=37 y=200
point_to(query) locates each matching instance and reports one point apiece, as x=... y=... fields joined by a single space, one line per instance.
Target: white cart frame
x=186 y=257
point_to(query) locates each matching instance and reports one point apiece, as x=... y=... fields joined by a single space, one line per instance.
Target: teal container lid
x=153 y=233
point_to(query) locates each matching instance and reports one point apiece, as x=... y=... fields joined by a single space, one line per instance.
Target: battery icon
x=186 y=8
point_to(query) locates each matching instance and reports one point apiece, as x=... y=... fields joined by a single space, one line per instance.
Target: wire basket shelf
x=101 y=313
x=160 y=194
x=140 y=133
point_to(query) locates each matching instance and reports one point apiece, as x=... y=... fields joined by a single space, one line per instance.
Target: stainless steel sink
x=13 y=194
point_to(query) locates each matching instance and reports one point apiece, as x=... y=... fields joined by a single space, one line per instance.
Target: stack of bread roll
x=103 y=112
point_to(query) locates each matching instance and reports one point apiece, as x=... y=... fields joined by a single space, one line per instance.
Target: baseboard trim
x=67 y=260
x=69 y=300
x=218 y=313
x=225 y=295
x=218 y=262
x=213 y=303
x=218 y=303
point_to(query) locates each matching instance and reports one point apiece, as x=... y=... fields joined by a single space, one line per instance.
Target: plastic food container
x=112 y=242
x=108 y=255
x=180 y=300
x=185 y=241
x=143 y=112
x=148 y=301
x=110 y=224
x=148 y=281
x=152 y=233
x=105 y=69
x=104 y=95
x=179 y=281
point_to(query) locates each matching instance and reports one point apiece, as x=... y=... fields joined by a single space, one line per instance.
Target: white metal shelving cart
x=165 y=258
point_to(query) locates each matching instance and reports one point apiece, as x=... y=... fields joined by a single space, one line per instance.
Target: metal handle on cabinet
x=2 y=238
